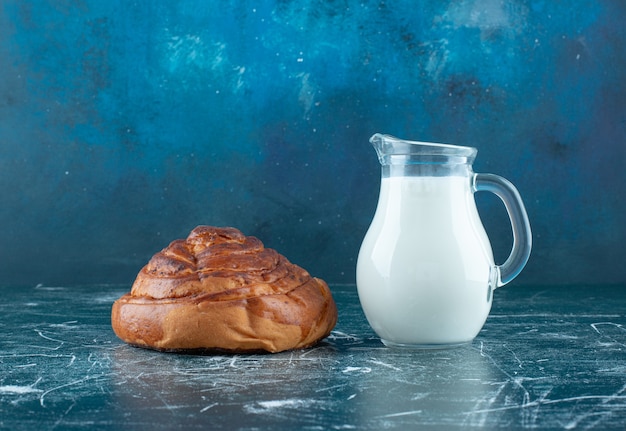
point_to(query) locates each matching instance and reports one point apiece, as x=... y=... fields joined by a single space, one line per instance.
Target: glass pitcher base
x=424 y=346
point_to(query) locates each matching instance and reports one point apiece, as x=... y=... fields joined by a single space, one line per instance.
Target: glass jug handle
x=522 y=237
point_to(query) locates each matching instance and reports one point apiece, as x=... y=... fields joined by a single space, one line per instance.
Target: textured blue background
x=124 y=124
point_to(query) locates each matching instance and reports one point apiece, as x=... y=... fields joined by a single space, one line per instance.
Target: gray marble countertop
x=547 y=358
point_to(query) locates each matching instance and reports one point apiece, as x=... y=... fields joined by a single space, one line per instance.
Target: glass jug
x=425 y=270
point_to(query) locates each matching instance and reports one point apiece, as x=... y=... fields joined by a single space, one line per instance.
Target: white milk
x=424 y=266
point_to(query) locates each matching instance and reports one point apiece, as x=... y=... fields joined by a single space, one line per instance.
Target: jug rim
x=393 y=150
x=427 y=147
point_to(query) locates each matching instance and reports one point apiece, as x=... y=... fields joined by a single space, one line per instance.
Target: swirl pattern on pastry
x=219 y=289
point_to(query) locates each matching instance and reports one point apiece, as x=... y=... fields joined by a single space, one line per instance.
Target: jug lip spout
x=390 y=148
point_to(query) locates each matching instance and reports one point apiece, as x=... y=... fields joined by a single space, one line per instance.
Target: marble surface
x=547 y=358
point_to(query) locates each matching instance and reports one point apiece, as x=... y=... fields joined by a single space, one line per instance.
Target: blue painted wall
x=124 y=124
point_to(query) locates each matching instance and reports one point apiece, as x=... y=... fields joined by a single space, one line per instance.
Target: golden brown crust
x=219 y=289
